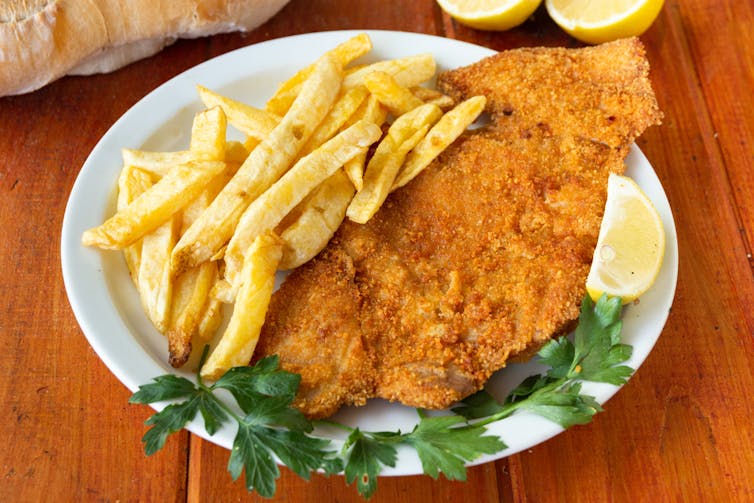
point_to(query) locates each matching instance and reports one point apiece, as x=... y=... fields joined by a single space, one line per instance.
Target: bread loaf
x=42 y=40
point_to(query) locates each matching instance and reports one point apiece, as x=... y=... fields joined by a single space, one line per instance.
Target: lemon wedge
x=595 y=22
x=490 y=14
x=630 y=246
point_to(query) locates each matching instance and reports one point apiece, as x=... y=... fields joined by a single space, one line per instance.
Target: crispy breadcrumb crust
x=484 y=256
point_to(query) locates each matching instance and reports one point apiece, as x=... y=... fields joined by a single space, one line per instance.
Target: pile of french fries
x=213 y=224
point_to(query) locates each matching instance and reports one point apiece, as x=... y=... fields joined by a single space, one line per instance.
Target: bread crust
x=42 y=40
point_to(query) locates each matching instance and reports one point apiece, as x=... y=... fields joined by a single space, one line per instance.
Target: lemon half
x=595 y=22
x=490 y=14
x=631 y=243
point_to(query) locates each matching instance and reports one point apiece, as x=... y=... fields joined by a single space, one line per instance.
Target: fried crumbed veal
x=481 y=258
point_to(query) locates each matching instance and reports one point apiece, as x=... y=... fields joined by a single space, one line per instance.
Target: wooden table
x=681 y=430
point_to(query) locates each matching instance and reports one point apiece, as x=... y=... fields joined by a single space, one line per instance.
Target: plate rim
x=71 y=249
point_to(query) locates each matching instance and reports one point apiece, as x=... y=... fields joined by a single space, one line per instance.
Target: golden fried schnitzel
x=483 y=256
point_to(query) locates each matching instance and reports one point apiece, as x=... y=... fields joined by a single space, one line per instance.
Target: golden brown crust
x=42 y=40
x=334 y=363
x=484 y=256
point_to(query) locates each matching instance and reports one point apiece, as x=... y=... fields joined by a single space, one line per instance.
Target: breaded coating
x=481 y=258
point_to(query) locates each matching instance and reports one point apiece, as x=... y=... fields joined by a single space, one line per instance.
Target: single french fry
x=371 y=111
x=397 y=98
x=341 y=110
x=159 y=163
x=237 y=343
x=251 y=121
x=316 y=219
x=266 y=212
x=344 y=53
x=132 y=182
x=155 y=206
x=264 y=165
x=208 y=134
x=190 y=295
x=408 y=72
x=403 y=135
x=434 y=96
x=155 y=285
x=445 y=132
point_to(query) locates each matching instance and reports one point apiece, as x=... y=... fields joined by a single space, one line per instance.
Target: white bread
x=42 y=40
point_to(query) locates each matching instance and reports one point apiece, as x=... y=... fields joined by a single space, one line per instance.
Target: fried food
x=262 y=168
x=269 y=209
x=237 y=343
x=442 y=134
x=314 y=221
x=153 y=207
x=402 y=136
x=481 y=258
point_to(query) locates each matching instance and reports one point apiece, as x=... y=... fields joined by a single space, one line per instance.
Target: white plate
x=106 y=304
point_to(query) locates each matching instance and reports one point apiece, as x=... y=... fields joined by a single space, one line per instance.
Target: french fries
x=208 y=135
x=189 y=299
x=407 y=72
x=251 y=121
x=344 y=53
x=211 y=225
x=265 y=164
x=154 y=283
x=428 y=95
x=403 y=135
x=266 y=212
x=397 y=98
x=315 y=220
x=237 y=343
x=159 y=163
x=445 y=132
x=341 y=111
x=372 y=111
x=191 y=290
x=154 y=207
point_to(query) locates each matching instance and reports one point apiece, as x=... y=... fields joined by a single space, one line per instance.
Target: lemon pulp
x=631 y=243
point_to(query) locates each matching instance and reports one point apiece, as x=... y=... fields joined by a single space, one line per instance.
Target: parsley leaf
x=558 y=354
x=250 y=455
x=265 y=394
x=444 y=447
x=565 y=405
x=597 y=342
x=367 y=453
x=248 y=384
x=169 y=420
x=166 y=387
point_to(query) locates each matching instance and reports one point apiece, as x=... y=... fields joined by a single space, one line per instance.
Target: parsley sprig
x=269 y=426
x=595 y=354
x=443 y=443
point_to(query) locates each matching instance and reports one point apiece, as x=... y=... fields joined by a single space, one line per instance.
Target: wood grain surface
x=681 y=430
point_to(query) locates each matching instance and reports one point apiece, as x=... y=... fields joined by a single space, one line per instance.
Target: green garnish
x=269 y=426
x=594 y=355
